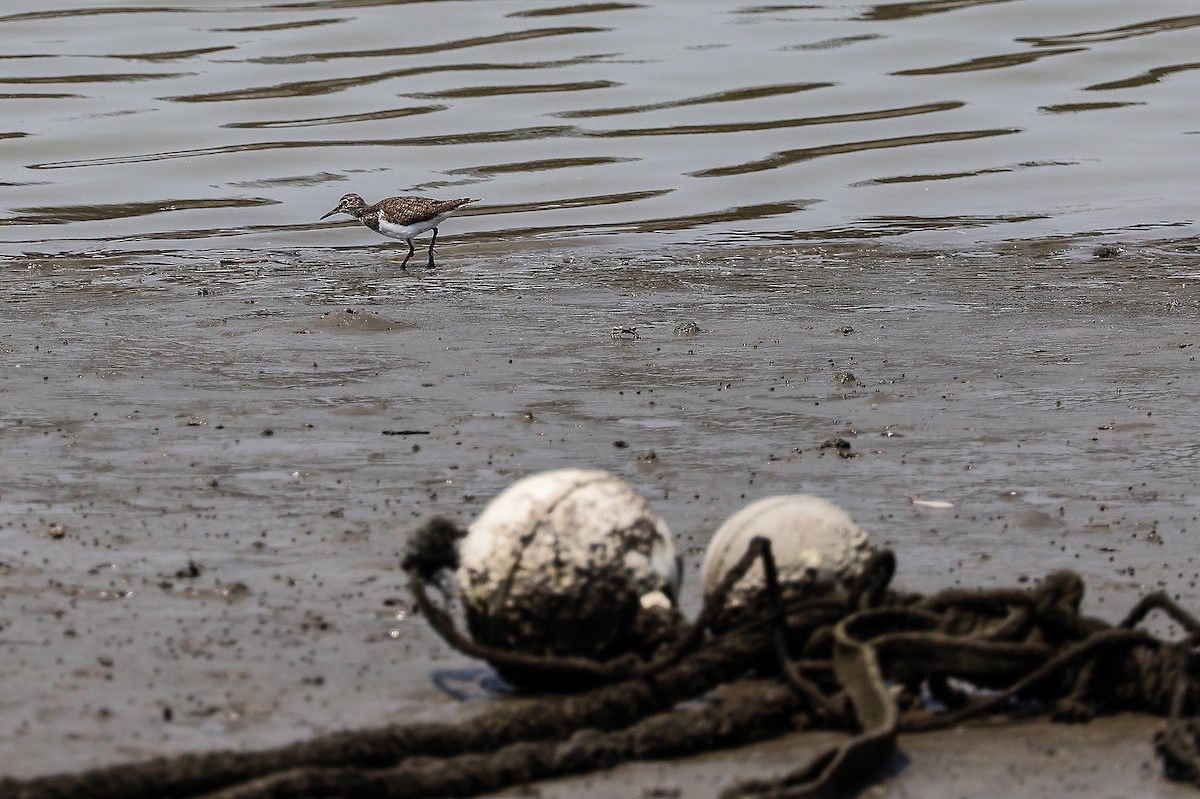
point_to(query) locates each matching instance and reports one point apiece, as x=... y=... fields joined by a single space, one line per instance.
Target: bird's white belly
x=408 y=231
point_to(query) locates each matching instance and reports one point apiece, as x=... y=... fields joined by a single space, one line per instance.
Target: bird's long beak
x=331 y=213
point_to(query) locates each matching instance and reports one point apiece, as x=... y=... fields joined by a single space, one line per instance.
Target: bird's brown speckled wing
x=411 y=210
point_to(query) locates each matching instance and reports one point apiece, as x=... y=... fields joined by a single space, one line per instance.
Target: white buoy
x=562 y=563
x=813 y=542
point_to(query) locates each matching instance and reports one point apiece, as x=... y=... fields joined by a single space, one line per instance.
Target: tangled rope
x=862 y=658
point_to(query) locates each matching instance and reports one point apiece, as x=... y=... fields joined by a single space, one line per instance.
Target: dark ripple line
x=1072 y=108
x=369 y=116
x=539 y=165
x=921 y=178
x=436 y=47
x=892 y=11
x=1146 y=78
x=308 y=88
x=283 y=26
x=788 y=157
x=877 y=226
x=739 y=127
x=834 y=43
x=519 y=134
x=1116 y=34
x=734 y=95
x=60 y=215
x=1002 y=61
x=38 y=95
x=112 y=77
x=740 y=213
x=26 y=16
x=582 y=8
x=574 y=202
x=172 y=55
x=316 y=179
x=526 y=88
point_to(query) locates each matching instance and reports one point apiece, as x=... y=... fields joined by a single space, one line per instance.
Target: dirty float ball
x=562 y=563
x=815 y=543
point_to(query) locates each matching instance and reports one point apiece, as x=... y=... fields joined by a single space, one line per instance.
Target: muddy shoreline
x=212 y=462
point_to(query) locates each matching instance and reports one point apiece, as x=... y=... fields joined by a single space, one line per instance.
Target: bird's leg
x=431 y=243
x=411 y=250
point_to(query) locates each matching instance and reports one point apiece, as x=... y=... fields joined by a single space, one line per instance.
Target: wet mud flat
x=212 y=462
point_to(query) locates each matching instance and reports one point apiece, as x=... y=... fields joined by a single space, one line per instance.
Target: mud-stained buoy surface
x=813 y=541
x=562 y=563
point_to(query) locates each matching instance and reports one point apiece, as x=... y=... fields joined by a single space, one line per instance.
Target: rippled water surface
x=147 y=128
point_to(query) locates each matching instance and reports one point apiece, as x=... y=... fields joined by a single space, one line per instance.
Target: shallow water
x=183 y=127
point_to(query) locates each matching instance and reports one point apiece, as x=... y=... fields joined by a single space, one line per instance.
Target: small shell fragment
x=928 y=503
